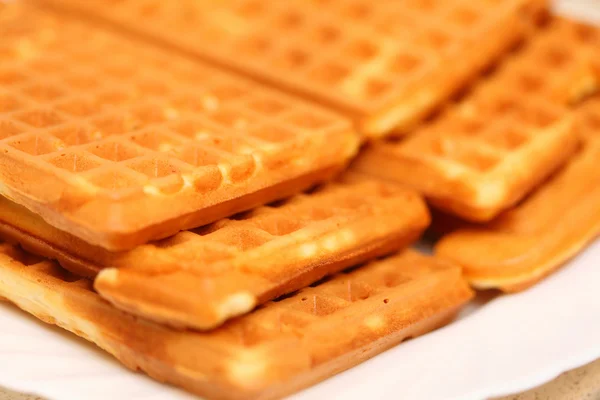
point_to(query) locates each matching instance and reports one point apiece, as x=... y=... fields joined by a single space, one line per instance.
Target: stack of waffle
x=182 y=183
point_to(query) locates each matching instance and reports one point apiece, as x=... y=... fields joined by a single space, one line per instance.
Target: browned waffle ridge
x=202 y=277
x=387 y=64
x=485 y=153
x=119 y=142
x=276 y=350
x=555 y=223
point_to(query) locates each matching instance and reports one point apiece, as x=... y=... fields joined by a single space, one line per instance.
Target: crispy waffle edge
x=216 y=369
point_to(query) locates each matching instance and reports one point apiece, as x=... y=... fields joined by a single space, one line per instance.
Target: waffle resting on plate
x=280 y=348
x=556 y=222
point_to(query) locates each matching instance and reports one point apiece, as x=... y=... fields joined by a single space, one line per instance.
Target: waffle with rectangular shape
x=486 y=152
x=386 y=64
x=555 y=223
x=119 y=142
x=200 y=278
x=278 y=349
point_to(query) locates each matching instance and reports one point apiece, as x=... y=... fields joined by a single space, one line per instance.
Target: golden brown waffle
x=485 y=153
x=530 y=241
x=119 y=142
x=283 y=347
x=385 y=63
x=202 y=277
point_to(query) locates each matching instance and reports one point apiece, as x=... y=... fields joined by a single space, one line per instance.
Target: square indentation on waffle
x=363 y=57
x=488 y=150
x=145 y=125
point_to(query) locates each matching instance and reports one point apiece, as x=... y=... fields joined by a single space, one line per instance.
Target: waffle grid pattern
x=227 y=268
x=195 y=276
x=528 y=99
x=355 y=55
x=310 y=307
x=385 y=299
x=528 y=242
x=330 y=212
x=529 y=94
x=293 y=314
x=269 y=228
x=108 y=129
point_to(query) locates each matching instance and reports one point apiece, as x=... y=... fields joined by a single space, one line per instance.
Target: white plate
x=498 y=346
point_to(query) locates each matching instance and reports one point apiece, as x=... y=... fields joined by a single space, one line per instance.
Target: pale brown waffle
x=485 y=153
x=555 y=223
x=385 y=63
x=283 y=347
x=119 y=142
x=202 y=277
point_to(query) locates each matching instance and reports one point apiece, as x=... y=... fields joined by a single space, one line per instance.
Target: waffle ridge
x=377 y=306
x=202 y=277
x=485 y=152
x=385 y=63
x=119 y=154
x=528 y=242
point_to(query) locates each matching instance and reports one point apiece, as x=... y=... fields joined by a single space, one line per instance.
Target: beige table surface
x=579 y=384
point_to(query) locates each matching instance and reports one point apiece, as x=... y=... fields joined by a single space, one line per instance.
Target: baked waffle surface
x=276 y=350
x=202 y=277
x=385 y=63
x=486 y=152
x=119 y=142
x=530 y=241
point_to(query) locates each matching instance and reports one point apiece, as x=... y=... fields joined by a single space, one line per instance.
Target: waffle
x=278 y=349
x=484 y=153
x=385 y=64
x=200 y=278
x=529 y=242
x=118 y=142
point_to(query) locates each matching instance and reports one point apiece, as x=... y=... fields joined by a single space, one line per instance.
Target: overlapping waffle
x=200 y=278
x=276 y=350
x=530 y=241
x=485 y=153
x=119 y=142
x=385 y=63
